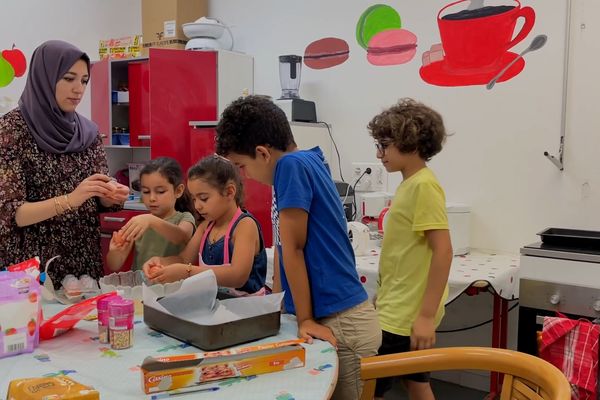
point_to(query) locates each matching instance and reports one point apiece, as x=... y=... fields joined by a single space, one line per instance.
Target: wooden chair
x=526 y=376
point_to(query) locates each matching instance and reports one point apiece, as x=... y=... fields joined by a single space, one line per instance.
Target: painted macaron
x=326 y=53
x=392 y=47
x=375 y=19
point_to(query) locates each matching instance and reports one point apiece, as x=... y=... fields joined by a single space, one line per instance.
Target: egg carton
x=130 y=285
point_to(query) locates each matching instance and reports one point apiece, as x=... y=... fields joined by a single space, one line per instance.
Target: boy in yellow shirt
x=416 y=252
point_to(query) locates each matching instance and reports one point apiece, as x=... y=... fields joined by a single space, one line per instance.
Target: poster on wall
x=476 y=39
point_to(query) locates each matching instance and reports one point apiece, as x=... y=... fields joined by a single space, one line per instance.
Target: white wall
x=494 y=160
x=28 y=23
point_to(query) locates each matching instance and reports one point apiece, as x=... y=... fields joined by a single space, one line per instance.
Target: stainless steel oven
x=556 y=278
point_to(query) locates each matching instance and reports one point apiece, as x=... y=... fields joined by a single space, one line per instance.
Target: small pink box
x=20 y=313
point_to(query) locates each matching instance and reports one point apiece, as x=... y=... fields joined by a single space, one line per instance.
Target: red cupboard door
x=257 y=197
x=139 y=103
x=257 y=200
x=202 y=142
x=183 y=88
x=100 y=98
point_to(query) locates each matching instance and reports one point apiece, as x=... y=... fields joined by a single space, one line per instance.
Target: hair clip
x=221 y=157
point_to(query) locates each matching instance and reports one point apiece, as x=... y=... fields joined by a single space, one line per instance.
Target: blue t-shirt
x=303 y=181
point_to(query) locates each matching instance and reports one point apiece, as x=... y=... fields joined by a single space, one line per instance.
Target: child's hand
x=423 y=333
x=151 y=267
x=137 y=226
x=170 y=273
x=117 y=242
x=309 y=329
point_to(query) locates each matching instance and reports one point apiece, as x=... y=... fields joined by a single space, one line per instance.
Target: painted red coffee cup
x=477 y=39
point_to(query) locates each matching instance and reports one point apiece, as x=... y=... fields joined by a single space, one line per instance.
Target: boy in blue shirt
x=318 y=269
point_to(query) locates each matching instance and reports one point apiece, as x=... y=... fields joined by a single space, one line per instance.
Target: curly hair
x=252 y=121
x=218 y=172
x=411 y=126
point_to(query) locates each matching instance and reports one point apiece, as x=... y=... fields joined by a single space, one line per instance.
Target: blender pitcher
x=289 y=76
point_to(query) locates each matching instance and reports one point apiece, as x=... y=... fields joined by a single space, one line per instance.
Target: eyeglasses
x=381 y=146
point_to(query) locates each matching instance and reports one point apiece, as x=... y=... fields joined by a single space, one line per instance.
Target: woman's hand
x=137 y=226
x=96 y=185
x=170 y=273
x=118 y=195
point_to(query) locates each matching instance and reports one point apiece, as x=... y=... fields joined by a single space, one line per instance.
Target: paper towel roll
x=359 y=236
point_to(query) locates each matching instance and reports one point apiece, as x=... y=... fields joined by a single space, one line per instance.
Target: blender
x=296 y=109
x=290 y=67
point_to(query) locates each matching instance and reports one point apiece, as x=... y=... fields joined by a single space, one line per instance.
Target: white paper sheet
x=196 y=302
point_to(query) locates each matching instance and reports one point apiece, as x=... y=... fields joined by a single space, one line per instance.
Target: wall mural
x=379 y=31
x=12 y=65
x=326 y=53
x=475 y=44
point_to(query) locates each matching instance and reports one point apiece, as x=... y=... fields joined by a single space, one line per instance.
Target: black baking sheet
x=571 y=238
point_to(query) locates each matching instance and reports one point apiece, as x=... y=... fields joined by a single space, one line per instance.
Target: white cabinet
x=308 y=135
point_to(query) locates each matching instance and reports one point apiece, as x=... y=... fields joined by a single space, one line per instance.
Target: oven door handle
x=539 y=319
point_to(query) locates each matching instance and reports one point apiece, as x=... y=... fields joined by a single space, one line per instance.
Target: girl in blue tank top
x=229 y=240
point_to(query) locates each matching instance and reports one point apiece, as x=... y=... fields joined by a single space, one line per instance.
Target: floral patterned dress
x=28 y=174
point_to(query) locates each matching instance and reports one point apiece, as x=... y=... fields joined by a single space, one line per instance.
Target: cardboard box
x=125 y=47
x=134 y=170
x=174 y=372
x=56 y=388
x=162 y=20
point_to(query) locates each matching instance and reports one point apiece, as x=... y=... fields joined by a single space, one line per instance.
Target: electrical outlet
x=376 y=181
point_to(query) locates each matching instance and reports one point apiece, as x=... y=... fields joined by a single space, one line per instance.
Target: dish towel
x=572 y=346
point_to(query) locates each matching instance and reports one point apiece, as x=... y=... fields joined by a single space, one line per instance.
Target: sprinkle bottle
x=102 y=305
x=121 y=324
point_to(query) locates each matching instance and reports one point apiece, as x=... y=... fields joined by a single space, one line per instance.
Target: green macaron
x=375 y=19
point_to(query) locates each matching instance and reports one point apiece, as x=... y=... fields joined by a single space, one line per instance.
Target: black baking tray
x=214 y=337
x=570 y=238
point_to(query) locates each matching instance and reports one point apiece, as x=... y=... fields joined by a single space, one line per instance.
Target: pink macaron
x=392 y=47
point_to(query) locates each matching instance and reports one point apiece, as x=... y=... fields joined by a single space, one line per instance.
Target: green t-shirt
x=152 y=244
x=419 y=205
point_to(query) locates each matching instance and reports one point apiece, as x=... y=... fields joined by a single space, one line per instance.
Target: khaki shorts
x=358 y=335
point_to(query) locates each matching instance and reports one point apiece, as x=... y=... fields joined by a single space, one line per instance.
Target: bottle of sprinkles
x=121 y=324
x=102 y=306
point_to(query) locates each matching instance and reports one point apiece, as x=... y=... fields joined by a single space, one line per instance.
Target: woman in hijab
x=53 y=169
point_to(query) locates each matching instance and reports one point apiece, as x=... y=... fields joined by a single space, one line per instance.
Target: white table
x=116 y=374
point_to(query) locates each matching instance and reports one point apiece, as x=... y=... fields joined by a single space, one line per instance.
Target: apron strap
x=237 y=214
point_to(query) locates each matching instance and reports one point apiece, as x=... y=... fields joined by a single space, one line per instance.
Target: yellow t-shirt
x=419 y=205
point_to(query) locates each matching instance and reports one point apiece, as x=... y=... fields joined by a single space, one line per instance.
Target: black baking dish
x=571 y=238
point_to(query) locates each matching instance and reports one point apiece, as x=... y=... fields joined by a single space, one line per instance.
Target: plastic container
x=121 y=324
x=103 y=317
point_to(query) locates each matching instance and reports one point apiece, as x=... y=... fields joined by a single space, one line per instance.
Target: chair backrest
x=526 y=376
